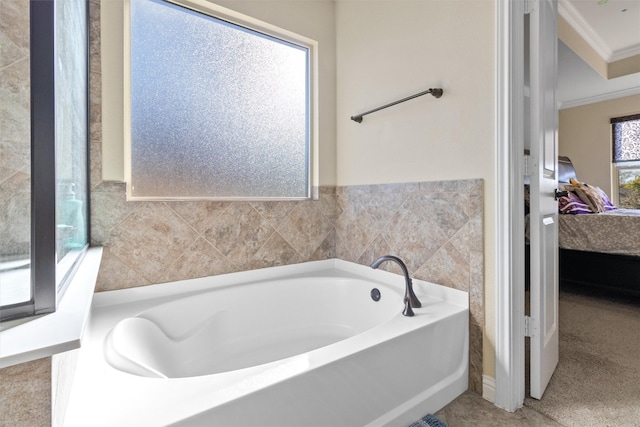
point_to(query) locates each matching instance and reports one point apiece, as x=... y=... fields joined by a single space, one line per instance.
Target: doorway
x=512 y=127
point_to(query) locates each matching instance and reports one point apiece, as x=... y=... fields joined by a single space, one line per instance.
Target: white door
x=543 y=322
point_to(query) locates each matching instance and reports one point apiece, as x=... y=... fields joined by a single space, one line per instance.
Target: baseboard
x=489 y=388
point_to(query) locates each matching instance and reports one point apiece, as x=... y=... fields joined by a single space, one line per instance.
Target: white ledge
x=59 y=331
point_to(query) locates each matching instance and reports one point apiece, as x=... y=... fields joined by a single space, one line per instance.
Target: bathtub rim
x=186 y=287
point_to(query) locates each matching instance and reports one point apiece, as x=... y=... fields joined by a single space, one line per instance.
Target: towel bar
x=436 y=92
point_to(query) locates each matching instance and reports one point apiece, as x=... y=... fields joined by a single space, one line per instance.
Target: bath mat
x=429 y=421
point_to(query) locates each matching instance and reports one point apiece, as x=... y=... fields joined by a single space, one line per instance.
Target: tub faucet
x=410 y=299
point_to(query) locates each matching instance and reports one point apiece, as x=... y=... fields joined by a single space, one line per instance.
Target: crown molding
x=599 y=98
x=577 y=22
x=625 y=53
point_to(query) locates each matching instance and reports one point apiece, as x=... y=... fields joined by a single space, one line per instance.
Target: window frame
x=46 y=287
x=229 y=15
x=617 y=169
x=618 y=166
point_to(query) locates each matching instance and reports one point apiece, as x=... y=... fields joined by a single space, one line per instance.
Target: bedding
x=584 y=198
x=614 y=232
x=572 y=204
x=597 y=250
x=590 y=222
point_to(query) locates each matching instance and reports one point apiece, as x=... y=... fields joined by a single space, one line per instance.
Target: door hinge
x=528 y=326
x=526 y=166
x=530 y=165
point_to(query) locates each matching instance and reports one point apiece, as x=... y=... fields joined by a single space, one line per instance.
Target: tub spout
x=410 y=299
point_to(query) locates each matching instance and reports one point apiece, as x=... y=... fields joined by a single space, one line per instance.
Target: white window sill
x=56 y=332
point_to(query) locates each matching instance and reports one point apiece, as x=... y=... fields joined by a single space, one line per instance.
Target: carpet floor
x=597 y=381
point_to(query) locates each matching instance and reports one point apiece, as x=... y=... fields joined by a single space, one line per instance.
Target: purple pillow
x=571 y=204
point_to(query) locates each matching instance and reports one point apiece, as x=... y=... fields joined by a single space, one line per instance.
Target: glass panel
x=217 y=110
x=629 y=187
x=71 y=133
x=15 y=161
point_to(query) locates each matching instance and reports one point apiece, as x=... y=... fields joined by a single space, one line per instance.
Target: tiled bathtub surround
x=154 y=242
x=436 y=227
x=25 y=394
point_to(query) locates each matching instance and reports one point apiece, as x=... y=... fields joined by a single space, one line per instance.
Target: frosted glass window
x=217 y=110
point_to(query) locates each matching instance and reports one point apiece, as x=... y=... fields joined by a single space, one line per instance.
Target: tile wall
x=25 y=394
x=25 y=389
x=435 y=227
x=15 y=110
x=154 y=242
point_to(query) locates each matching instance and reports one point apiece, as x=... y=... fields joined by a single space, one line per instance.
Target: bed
x=600 y=250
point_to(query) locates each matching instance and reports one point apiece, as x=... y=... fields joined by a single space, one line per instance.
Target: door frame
x=509 y=250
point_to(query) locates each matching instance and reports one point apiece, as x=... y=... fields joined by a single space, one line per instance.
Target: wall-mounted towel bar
x=435 y=92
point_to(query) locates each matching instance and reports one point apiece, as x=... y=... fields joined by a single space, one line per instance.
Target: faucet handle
x=408 y=311
x=413 y=299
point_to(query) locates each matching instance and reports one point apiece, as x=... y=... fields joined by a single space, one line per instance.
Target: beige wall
x=584 y=135
x=624 y=67
x=387 y=50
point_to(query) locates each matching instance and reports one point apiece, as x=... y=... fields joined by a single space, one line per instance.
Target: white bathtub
x=299 y=345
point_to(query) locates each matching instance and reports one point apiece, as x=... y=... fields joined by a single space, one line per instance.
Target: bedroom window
x=220 y=107
x=625 y=136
